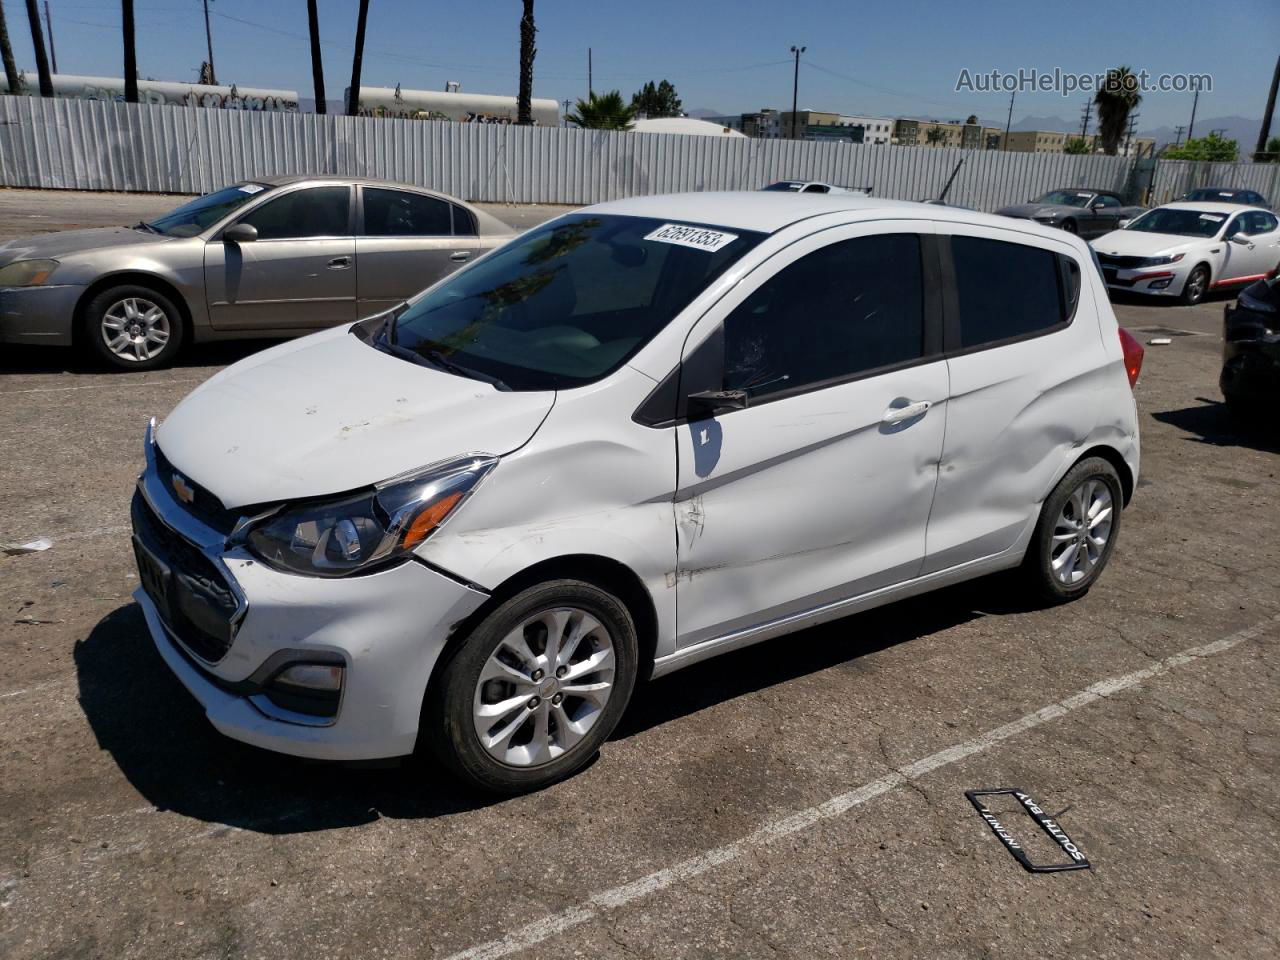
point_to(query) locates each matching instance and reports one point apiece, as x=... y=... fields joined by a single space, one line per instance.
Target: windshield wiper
x=444 y=363
x=143 y=225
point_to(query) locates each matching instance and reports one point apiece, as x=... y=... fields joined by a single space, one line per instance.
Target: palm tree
x=317 y=64
x=353 y=95
x=6 y=54
x=603 y=111
x=37 y=41
x=524 y=105
x=1117 y=98
x=130 y=52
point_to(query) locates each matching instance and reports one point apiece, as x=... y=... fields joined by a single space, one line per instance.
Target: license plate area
x=156 y=578
x=1076 y=858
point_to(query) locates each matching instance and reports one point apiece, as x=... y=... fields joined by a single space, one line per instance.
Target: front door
x=406 y=243
x=820 y=488
x=1255 y=251
x=299 y=274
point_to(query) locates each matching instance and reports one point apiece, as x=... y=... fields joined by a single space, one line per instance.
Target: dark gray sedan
x=274 y=257
x=1089 y=213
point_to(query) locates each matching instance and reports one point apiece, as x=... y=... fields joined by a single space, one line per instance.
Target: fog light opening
x=314 y=689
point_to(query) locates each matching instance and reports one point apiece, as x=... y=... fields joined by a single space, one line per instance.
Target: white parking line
x=103 y=386
x=619 y=896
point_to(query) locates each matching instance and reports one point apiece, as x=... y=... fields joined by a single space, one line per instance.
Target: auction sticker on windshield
x=699 y=238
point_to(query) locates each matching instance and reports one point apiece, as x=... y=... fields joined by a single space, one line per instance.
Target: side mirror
x=240 y=233
x=1239 y=238
x=707 y=403
x=1121 y=224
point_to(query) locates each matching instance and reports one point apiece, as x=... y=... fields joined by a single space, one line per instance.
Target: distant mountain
x=1240 y=129
x=1046 y=123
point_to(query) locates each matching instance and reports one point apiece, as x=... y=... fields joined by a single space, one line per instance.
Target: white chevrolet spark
x=641 y=435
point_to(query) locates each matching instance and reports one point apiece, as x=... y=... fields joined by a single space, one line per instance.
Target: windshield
x=1182 y=223
x=565 y=304
x=790 y=186
x=1066 y=198
x=202 y=212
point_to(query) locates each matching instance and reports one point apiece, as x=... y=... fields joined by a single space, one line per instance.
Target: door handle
x=909 y=412
x=339 y=263
x=460 y=256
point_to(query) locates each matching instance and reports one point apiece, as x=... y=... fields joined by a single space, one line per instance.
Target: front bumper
x=43 y=314
x=386 y=629
x=1250 y=357
x=1161 y=281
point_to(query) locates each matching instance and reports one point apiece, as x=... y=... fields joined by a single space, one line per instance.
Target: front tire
x=535 y=689
x=1196 y=287
x=1071 y=226
x=1077 y=531
x=132 y=327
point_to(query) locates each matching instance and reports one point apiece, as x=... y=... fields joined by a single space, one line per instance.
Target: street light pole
x=795 y=89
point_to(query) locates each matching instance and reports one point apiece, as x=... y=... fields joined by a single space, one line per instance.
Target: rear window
x=1006 y=290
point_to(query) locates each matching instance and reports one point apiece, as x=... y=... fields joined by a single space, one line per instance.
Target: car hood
x=56 y=245
x=1029 y=211
x=329 y=413
x=1138 y=243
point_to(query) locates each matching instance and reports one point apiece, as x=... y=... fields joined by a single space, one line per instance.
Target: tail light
x=1133 y=354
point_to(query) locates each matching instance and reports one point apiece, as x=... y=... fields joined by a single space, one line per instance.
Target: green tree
x=656 y=101
x=603 y=111
x=1076 y=145
x=1273 y=151
x=1211 y=148
x=1115 y=101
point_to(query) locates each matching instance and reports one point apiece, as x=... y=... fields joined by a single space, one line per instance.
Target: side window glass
x=464 y=224
x=1005 y=290
x=1107 y=201
x=1236 y=226
x=313 y=212
x=854 y=306
x=397 y=213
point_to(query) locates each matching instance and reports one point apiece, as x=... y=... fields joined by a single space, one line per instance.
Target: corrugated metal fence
x=1173 y=178
x=101 y=145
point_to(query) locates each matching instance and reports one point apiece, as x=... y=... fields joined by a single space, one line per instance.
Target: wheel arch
x=138 y=278
x=1113 y=457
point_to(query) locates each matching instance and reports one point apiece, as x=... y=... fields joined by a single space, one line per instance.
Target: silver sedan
x=274 y=257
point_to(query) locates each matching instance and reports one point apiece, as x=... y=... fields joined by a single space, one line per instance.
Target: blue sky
x=894 y=58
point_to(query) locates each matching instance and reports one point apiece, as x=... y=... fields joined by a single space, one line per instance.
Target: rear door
x=407 y=241
x=299 y=273
x=1024 y=364
x=820 y=488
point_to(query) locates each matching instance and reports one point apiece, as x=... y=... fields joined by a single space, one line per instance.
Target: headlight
x=1161 y=261
x=26 y=273
x=351 y=535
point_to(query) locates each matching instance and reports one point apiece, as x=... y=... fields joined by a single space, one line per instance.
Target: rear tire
x=535 y=689
x=1077 y=531
x=132 y=327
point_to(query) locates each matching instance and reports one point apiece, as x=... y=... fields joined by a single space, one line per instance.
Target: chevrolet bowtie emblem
x=183 y=489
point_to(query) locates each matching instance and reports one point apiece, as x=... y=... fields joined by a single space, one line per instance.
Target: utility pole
x=353 y=95
x=1004 y=145
x=208 y=37
x=1084 y=124
x=1177 y=135
x=566 y=101
x=795 y=90
x=6 y=54
x=1192 y=125
x=1259 y=153
x=48 y=22
x=317 y=63
x=590 y=89
x=1129 y=128
x=130 y=52
x=37 y=41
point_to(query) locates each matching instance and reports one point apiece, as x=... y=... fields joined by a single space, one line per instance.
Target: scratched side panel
x=591 y=481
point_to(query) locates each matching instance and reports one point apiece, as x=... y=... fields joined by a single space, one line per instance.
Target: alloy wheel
x=1081 y=532
x=544 y=687
x=135 y=329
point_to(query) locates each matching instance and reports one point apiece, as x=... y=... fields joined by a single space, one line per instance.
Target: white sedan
x=1185 y=250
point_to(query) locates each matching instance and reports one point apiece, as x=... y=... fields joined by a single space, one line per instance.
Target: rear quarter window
x=1008 y=291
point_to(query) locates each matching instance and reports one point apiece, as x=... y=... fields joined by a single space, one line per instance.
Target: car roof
x=1207 y=206
x=1220 y=190
x=769 y=212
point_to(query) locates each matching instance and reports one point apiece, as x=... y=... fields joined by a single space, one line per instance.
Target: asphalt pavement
x=802 y=798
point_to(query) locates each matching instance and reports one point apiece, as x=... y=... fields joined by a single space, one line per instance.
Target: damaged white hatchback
x=641 y=435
